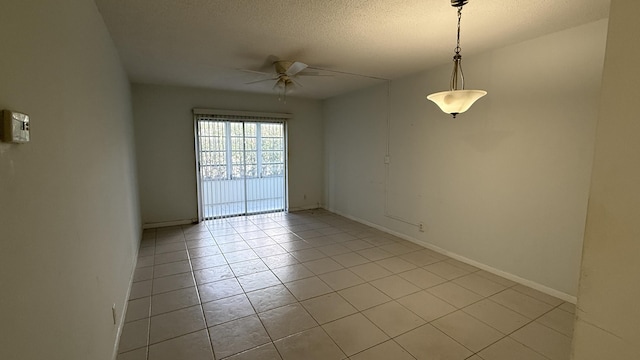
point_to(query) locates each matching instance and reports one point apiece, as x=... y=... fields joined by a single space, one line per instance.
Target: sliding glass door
x=242 y=166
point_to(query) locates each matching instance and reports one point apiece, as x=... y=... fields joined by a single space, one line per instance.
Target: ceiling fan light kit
x=457 y=100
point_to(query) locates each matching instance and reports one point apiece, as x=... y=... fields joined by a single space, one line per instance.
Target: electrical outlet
x=421 y=227
x=113 y=313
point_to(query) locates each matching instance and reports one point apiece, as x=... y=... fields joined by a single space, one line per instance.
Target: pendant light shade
x=456 y=101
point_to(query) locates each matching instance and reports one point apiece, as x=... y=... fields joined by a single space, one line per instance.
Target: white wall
x=166 y=155
x=608 y=316
x=505 y=184
x=69 y=216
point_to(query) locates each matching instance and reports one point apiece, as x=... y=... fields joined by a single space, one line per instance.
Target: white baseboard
x=532 y=284
x=303 y=208
x=123 y=313
x=166 y=223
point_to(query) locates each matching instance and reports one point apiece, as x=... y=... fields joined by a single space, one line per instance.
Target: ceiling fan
x=284 y=77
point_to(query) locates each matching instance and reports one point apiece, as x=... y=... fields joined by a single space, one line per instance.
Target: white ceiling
x=203 y=43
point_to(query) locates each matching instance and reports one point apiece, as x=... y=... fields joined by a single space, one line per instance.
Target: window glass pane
x=213 y=158
x=219 y=144
x=237 y=158
x=219 y=158
x=250 y=129
x=251 y=157
x=237 y=144
x=272 y=157
x=273 y=170
x=205 y=144
x=272 y=144
x=214 y=172
x=251 y=170
x=250 y=143
x=236 y=129
x=237 y=171
x=271 y=130
x=211 y=128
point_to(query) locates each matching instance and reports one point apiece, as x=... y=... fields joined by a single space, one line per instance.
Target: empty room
x=301 y=180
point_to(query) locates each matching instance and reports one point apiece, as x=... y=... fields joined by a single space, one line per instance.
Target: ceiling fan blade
x=312 y=73
x=295 y=82
x=261 y=80
x=277 y=84
x=255 y=72
x=295 y=68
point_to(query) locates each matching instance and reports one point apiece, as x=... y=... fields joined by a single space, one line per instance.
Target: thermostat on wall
x=15 y=127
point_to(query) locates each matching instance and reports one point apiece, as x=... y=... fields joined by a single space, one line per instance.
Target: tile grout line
x=521 y=327
x=259 y=319
x=254 y=309
x=298 y=302
x=204 y=319
x=153 y=269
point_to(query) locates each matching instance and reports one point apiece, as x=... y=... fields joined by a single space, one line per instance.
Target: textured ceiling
x=203 y=43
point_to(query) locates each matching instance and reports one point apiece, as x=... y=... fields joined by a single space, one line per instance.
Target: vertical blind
x=242 y=165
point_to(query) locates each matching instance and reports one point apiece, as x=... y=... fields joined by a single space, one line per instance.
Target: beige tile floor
x=314 y=285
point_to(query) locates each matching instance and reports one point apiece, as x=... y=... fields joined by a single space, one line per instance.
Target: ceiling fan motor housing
x=282 y=66
x=459 y=3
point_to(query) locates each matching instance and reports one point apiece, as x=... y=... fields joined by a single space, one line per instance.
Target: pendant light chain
x=458 y=48
x=457 y=60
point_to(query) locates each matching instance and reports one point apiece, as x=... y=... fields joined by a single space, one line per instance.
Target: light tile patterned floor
x=314 y=285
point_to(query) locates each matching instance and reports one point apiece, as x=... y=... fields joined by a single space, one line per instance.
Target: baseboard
x=123 y=313
x=532 y=284
x=167 y=223
x=303 y=208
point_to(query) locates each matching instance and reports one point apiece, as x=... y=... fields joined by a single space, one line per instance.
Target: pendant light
x=456 y=100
